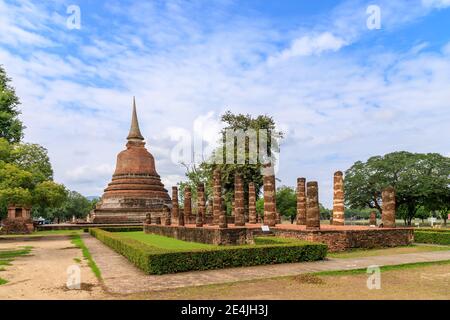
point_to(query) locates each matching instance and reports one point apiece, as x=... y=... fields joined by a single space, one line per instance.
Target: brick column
x=269 y=201
x=187 y=204
x=252 y=203
x=373 y=218
x=167 y=218
x=175 y=205
x=201 y=202
x=338 y=199
x=217 y=193
x=210 y=212
x=223 y=217
x=181 y=217
x=312 y=206
x=388 y=208
x=239 y=216
x=301 y=201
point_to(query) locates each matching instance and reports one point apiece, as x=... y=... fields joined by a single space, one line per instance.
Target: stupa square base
x=337 y=238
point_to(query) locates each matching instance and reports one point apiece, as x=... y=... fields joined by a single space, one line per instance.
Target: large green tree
x=11 y=128
x=251 y=172
x=287 y=202
x=419 y=180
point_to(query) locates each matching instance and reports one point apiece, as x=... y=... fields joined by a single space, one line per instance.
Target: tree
x=48 y=195
x=15 y=187
x=260 y=207
x=11 y=128
x=419 y=179
x=325 y=214
x=287 y=202
x=74 y=204
x=32 y=158
x=250 y=172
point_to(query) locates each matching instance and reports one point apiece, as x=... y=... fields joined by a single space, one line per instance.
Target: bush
x=153 y=260
x=432 y=237
x=123 y=229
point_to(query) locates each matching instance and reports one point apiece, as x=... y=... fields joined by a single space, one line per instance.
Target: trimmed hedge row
x=432 y=230
x=432 y=237
x=123 y=229
x=153 y=260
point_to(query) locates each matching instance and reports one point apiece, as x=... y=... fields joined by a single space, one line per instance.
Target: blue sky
x=339 y=91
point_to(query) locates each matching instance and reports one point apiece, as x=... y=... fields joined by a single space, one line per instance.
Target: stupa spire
x=135 y=133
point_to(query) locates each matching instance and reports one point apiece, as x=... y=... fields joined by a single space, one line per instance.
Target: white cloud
x=436 y=3
x=334 y=109
x=312 y=45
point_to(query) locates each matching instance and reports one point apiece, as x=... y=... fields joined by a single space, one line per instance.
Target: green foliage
x=49 y=194
x=154 y=260
x=74 y=204
x=11 y=128
x=287 y=202
x=433 y=237
x=419 y=180
x=260 y=206
x=250 y=172
x=34 y=159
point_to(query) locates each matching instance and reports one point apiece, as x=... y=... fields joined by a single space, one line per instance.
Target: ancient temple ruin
x=136 y=188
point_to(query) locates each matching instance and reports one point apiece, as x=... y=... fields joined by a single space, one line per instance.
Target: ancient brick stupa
x=136 y=188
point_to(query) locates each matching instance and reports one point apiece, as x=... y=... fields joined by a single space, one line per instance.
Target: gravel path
x=121 y=277
x=43 y=273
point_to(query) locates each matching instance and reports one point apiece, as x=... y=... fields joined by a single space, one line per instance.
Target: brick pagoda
x=136 y=188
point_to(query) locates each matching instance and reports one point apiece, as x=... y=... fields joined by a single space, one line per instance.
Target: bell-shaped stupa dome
x=136 y=188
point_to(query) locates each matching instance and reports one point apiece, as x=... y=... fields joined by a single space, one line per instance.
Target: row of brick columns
x=308 y=211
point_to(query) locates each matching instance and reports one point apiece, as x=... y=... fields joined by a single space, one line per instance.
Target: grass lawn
x=164 y=242
x=7 y=256
x=359 y=253
x=180 y=245
x=416 y=281
x=78 y=242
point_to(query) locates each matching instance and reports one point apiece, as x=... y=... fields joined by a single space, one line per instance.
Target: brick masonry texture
x=301 y=201
x=312 y=206
x=338 y=199
x=341 y=240
x=216 y=236
x=388 y=207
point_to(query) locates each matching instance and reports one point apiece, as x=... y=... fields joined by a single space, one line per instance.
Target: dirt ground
x=427 y=283
x=43 y=274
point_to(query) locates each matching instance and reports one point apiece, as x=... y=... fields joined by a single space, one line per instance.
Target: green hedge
x=432 y=237
x=432 y=230
x=153 y=260
x=123 y=229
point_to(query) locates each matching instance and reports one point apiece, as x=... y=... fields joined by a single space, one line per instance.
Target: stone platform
x=341 y=238
x=338 y=238
x=208 y=234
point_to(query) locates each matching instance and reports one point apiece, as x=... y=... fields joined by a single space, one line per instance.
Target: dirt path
x=43 y=274
x=121 y=277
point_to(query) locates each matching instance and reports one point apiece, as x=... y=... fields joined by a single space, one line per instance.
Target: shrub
x=432 y=237
x=153 y=260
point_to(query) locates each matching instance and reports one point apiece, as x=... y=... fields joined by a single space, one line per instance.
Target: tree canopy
x=11 y=128
x=419 y=180
x=250 y=172
x=26 y=174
